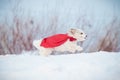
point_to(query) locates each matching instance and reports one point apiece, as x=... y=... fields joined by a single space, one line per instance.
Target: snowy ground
x=84 y=66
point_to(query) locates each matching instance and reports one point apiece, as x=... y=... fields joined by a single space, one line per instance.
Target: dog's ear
x=72 y=31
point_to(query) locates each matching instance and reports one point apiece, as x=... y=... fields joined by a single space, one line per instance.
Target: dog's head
x=77 y=33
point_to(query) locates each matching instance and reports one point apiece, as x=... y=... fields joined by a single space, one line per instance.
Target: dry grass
x=110 y=41
x=19 y=35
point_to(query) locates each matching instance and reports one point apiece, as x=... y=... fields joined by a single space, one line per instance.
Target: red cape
x=55 y=40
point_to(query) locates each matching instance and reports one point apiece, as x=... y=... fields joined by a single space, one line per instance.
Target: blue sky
x=97 y=12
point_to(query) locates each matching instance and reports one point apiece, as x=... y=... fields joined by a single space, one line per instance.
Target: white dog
x=60 y=42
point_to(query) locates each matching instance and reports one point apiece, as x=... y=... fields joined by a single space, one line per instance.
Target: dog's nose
x=85 y=36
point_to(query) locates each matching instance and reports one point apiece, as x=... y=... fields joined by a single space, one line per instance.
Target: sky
x=63 y=8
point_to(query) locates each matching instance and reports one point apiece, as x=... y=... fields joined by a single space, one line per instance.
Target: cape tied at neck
x=56 y=40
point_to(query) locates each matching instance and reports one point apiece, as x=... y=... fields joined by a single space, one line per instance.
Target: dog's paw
x=79 y=48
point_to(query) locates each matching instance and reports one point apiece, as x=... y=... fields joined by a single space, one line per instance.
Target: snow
x=84 y=66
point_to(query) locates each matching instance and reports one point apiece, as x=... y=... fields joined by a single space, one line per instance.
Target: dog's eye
x=81 y=33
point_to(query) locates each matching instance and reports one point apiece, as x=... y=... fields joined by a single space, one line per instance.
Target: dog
x=60 y=42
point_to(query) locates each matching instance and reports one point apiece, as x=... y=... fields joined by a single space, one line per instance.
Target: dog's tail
x=36 y=43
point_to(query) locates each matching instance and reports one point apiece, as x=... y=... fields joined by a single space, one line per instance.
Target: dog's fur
x=67 y=46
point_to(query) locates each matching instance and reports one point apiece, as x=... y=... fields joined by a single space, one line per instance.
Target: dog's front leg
x=78 y=48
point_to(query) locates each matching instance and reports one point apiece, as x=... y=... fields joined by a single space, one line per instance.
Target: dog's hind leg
x=45 y=51
x=42 y=51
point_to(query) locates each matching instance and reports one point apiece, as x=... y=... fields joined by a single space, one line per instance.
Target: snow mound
x=84 y=66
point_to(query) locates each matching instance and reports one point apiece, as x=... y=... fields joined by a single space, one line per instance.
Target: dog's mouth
x=85 y=37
